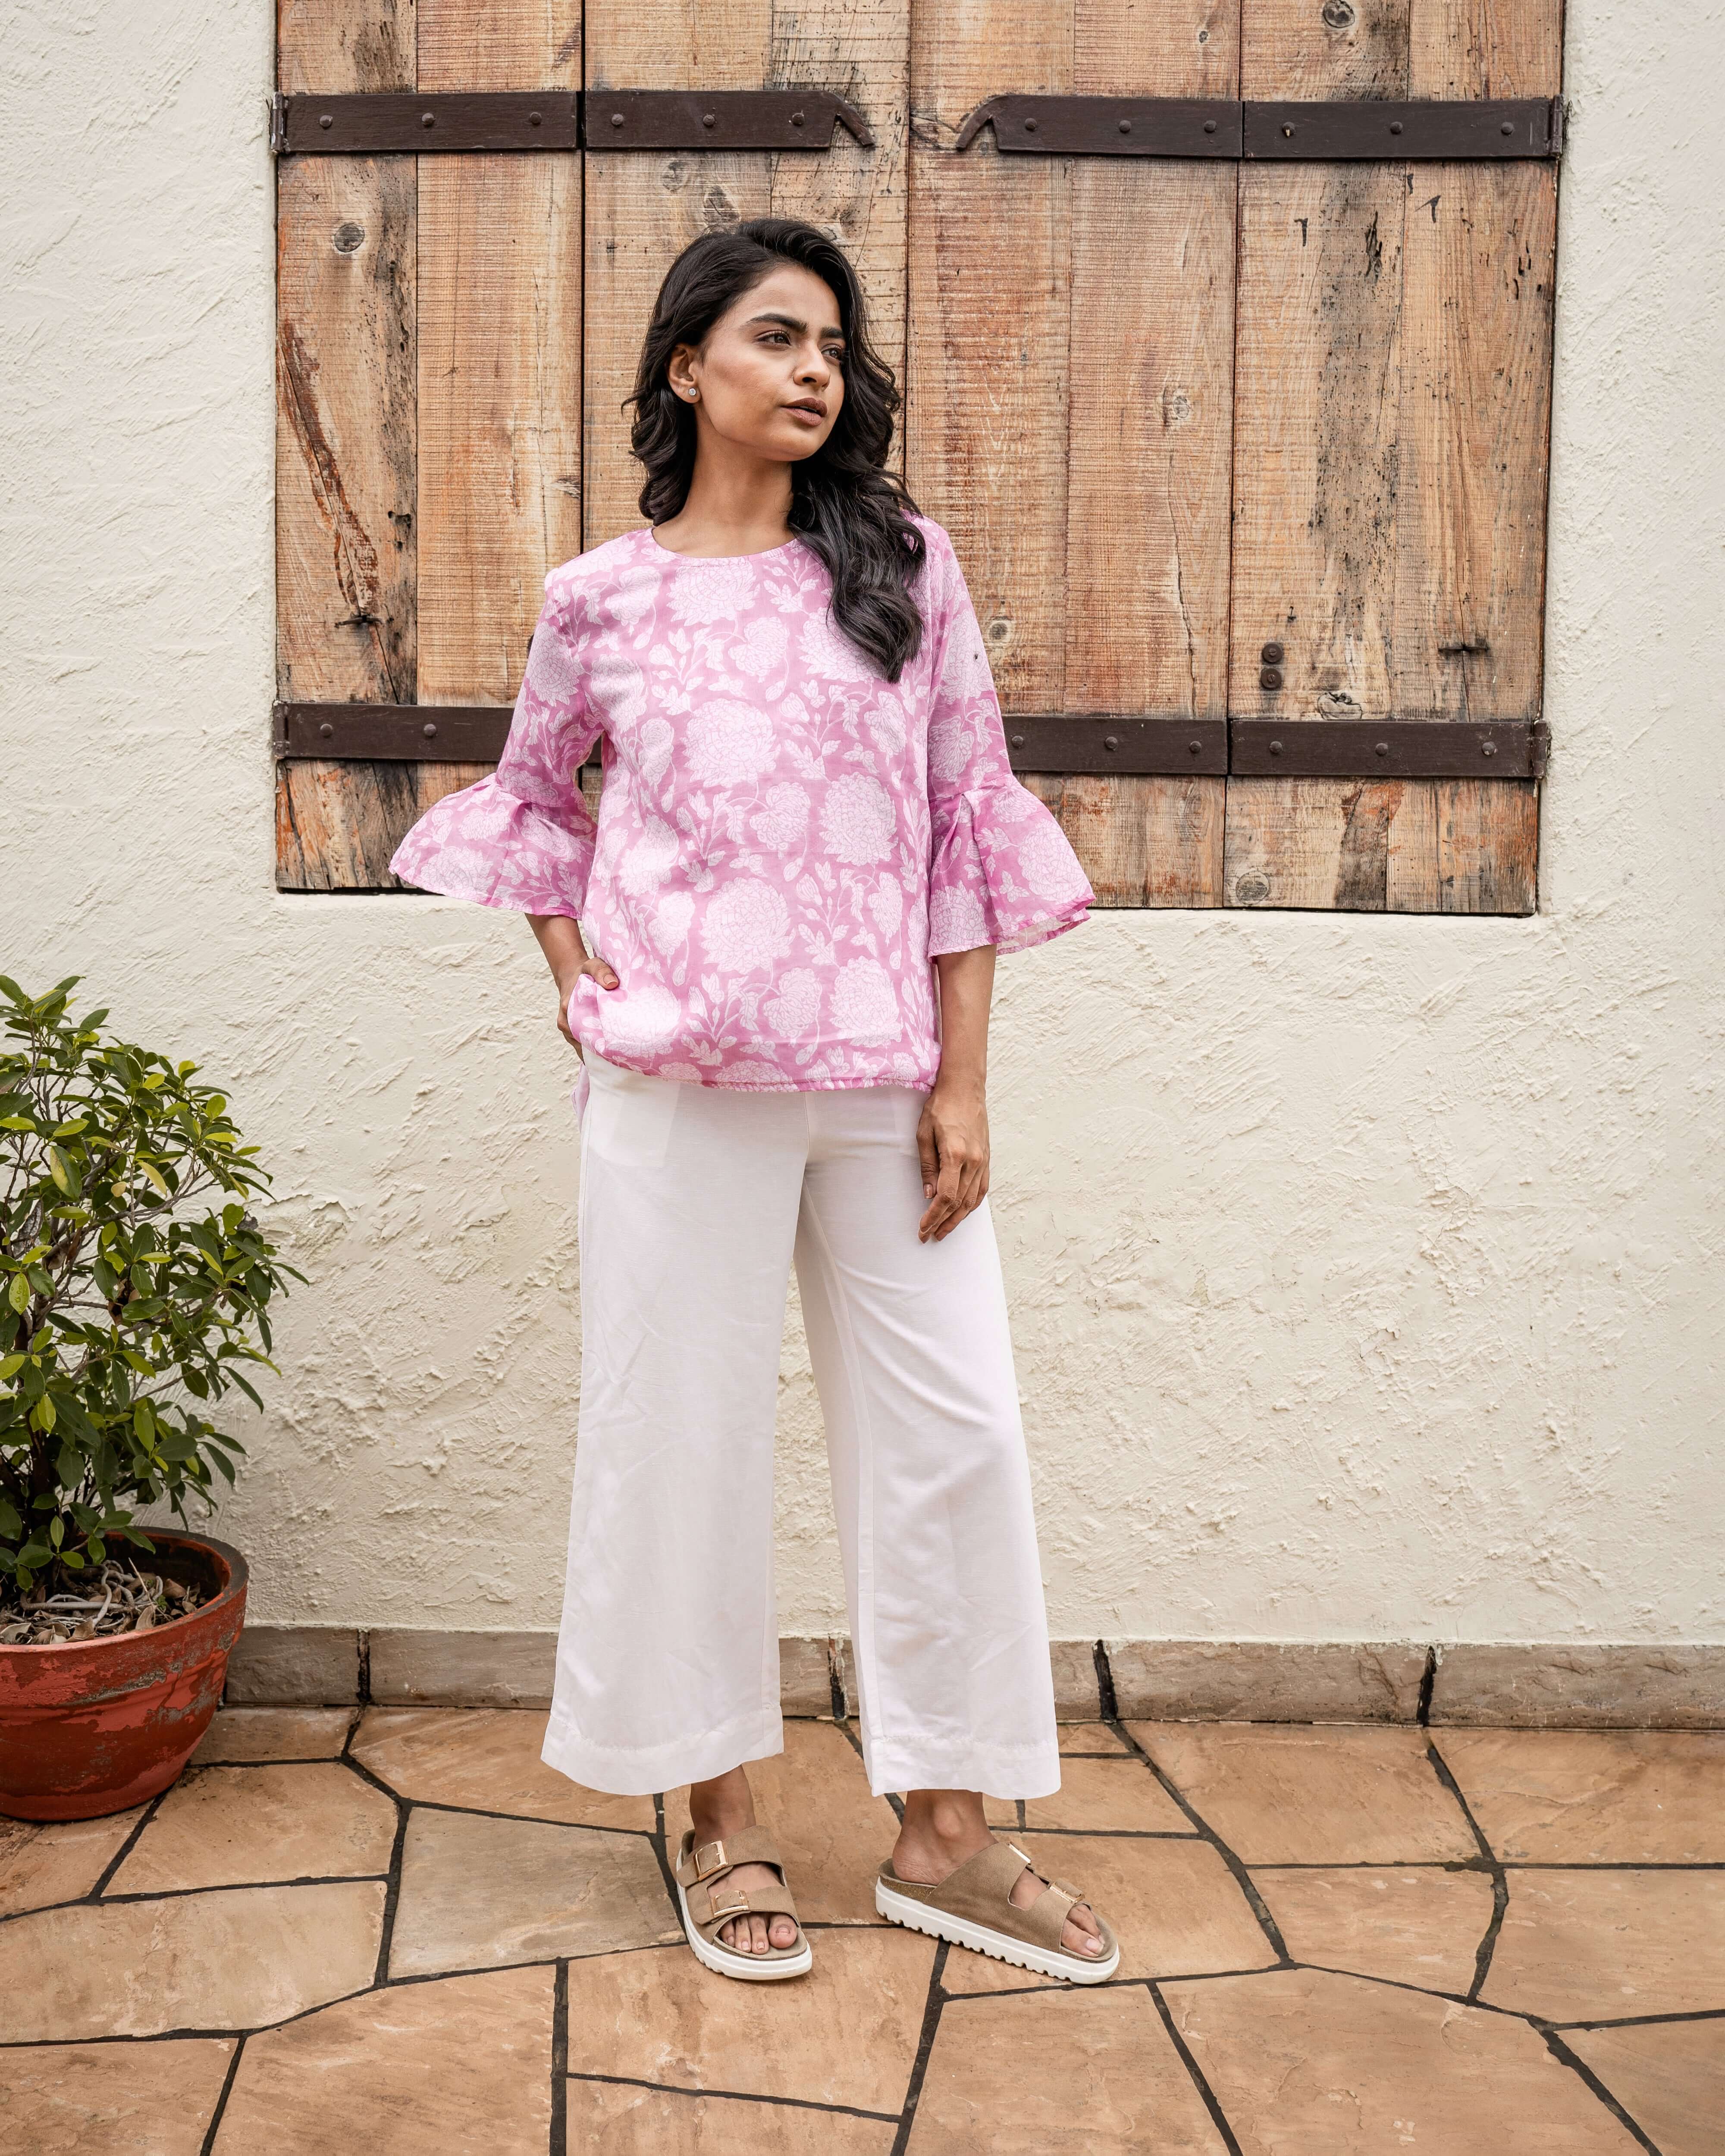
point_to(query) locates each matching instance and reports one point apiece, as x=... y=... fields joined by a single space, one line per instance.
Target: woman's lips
x=810 y=412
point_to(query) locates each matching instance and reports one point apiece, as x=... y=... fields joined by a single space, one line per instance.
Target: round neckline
x=766 y=553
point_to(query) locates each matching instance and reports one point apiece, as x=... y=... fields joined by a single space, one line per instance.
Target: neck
x=738 y=503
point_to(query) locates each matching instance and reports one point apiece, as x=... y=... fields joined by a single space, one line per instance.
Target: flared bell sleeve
x=521 y=838
x=1001 y=870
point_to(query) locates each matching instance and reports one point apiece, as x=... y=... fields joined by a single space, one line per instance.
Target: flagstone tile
x=1411 y=1923
x=1100 y=1796
x=40 y=1865
x=439 y=2069
x=846 y=2033
x=229 y=1826
x=111 y=2099
x=1606 y=1945
x=618 y=2118
x=274 y=1732
x=482 y=1893
x=485 y=1759
x=1174 y=1906
x=1093 y=2073
x=831 y=1832
x=1668 y=2076
x=1297 y=1794
x=1304 y=2063
x=1091 y=1738
x=235 y=1959
x=1593 y=1796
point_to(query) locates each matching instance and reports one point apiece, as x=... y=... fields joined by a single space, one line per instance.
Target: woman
x=807 y=817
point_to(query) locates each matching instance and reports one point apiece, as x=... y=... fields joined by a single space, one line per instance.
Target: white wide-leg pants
x=694 y=1200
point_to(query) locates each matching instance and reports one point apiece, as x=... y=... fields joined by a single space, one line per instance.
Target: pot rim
x=234 y=1589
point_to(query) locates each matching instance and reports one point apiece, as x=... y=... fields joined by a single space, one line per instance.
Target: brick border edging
x=1512 y=1684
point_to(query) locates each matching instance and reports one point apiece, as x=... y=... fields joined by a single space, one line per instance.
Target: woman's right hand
x=566 y=987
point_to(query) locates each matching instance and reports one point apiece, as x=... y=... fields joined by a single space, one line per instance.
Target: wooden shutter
x=1391 y=426
x=429 y=410
x=1221 y=442
x=1070 y=399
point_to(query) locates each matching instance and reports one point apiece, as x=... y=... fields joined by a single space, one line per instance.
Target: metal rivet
x=428 y=119
x=533 y=119
x=1507 y=128
x=326 y=120
x=1381 y=748
x=1395 y=128
x=1275 y=748
x=1018 y=741
x=1029 y=126
x=1287 y=131
x=1111 y=740
x=327 y=731
x=796 y=120
x=709 y=120
x=616 y=120
x=1196 y=747
x=1125 y=128
x=1272 y=654
x=429 y=732
x=1269 y=677
x=1488 y=749
x=1209 y=126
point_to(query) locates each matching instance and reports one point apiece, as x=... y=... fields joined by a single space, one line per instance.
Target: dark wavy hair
x=844 y=506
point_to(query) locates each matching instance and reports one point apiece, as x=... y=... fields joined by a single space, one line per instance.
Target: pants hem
x=646 y=1772
x=1028 y=1771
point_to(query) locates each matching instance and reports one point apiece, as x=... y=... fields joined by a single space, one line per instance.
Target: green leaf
x=61 y=1169
x=19 y=1294
x=11 y=1526
x=151 y=1175
x=10 y=1365
x=56 y=1531
x=42 y=1413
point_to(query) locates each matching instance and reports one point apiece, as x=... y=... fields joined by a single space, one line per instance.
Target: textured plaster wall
x=1365 y=1272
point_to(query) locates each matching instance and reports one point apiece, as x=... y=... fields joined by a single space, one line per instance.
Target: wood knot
x=348 y=238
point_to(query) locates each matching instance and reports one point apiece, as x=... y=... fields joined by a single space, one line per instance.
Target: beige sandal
x=707 y=1905
x=972 y=1907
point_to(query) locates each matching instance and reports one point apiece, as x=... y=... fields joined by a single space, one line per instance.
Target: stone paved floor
x=398 y=1932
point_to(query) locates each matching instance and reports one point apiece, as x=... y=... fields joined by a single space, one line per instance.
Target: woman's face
x=769 y=376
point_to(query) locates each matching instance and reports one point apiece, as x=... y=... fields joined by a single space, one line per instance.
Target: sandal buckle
x=729 y=1901
x=707 y=1859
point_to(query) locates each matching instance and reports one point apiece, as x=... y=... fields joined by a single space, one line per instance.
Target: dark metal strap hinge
x=385 y=122
x=1072 y=744
x=1445 y=129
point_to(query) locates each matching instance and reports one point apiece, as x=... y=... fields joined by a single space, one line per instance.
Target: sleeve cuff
x=489 y=846
x=1003 y=873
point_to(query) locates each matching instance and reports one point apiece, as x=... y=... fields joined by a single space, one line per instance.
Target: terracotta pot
x=97 y=1726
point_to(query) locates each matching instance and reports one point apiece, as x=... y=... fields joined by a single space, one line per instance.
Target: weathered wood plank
x=1071 y=406
x=326 y=44
x=498 y=44
x=643 y=209
x=1393 y=401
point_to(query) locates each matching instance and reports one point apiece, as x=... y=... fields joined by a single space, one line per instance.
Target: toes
x=758 y=1934
x=782 y=1932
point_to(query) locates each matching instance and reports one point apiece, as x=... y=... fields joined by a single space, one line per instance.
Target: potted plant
x=134 y=1287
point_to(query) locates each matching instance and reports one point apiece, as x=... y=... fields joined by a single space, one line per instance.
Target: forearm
x=559 y=939
x=967 y=989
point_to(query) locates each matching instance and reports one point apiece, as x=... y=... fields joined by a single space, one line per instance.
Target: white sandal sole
x=981 y=1938
x=750 y=1968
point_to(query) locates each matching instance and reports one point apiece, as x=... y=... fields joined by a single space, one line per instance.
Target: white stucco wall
x=1365 y=1270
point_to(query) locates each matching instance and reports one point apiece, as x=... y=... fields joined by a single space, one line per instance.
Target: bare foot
x=942 y=1828
x=723 y=1806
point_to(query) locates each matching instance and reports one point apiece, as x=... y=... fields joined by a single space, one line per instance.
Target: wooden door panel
x=1070 y=402
x=1393 y=399
x=643 y=208
x=429 y=409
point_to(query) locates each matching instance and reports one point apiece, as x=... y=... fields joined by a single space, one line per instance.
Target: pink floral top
x=785 y=839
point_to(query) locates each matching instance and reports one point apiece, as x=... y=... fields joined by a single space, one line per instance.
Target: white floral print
x=785 y=839
x=857 y=822
x=745 y=926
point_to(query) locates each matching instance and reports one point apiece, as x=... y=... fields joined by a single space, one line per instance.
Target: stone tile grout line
x=559 y=2140
x=932 y=2009
x=206 y=2146
x=1565 y=2058
x=1200 y=2080
x=1489 y=1861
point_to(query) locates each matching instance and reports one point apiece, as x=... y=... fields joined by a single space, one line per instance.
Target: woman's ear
x=680 y=370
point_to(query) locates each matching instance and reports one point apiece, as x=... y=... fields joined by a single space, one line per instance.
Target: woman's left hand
x=953 y=1142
